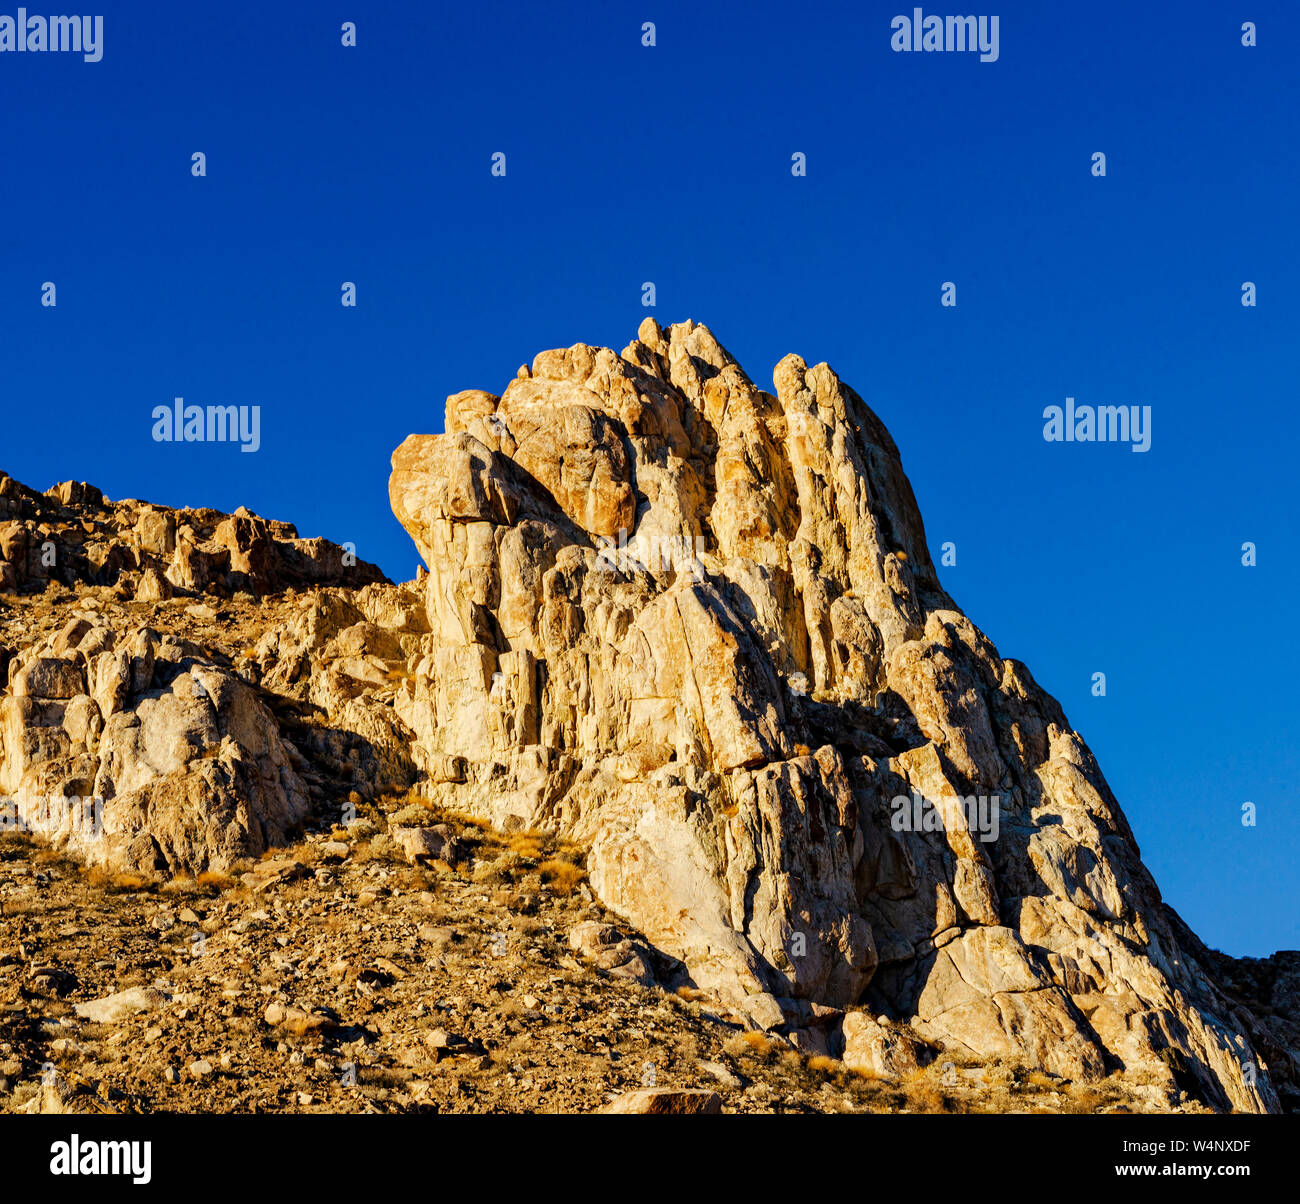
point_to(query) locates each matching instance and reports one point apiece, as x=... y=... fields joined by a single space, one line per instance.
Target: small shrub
x=526 y=844
x=752 y=1044
x=563 y=877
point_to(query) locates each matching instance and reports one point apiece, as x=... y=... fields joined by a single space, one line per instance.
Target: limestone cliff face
x=695 y=625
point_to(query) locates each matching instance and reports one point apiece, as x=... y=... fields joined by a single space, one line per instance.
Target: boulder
x=112 y=1008
x=878 y=1050
x=664 y=1101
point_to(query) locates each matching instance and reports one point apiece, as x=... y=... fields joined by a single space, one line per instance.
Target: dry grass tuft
x=419 y=813
x=529 y=845
x=563 y=877
x=752 y=1044
x=929 y=1098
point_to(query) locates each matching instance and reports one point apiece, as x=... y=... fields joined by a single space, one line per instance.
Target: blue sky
x=671 y=164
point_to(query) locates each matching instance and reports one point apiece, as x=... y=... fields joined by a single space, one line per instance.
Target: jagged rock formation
x=695 y=625
x=135 y=724
x=72 y=533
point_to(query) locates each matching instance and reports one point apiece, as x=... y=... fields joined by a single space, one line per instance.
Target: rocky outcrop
x=143 y=729
x=72 y=533
x=141 y=752
x=695 y=625
x=139 y=748
x=1265 y=993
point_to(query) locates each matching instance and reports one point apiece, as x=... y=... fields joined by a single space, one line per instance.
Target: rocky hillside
x=684 y=626
x=339 y=975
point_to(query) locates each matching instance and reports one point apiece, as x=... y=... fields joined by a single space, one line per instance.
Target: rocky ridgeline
x=72 y=534
x=688 y=625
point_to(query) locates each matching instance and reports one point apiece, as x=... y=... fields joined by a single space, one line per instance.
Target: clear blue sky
x=672 y=165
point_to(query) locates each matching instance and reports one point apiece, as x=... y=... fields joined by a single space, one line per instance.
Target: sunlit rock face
x=695 y=625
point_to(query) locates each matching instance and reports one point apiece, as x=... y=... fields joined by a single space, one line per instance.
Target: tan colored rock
x=435 y=843
x=723 y=685
x=119 y=1006
x=574 y=451
x=463 y=408
x=156 y=529
x=665 y=1101
x=247 y=540
x=147 y=551
x=48 y=677
x=153 y=587
x=184 y=778
x=607 y=948
x=873 y=1049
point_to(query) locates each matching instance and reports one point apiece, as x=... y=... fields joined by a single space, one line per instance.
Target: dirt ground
x=338 y=977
